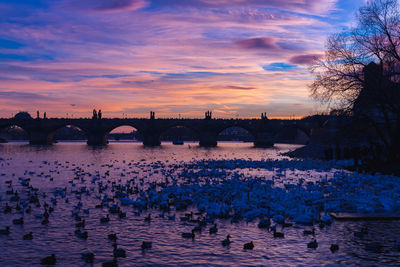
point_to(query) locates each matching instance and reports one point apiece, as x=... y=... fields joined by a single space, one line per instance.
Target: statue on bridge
x=152 y=115
x=264 y=116
x=99 y=114
x=94 y=114
x=208 y=115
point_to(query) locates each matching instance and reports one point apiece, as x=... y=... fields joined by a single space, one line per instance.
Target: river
x=62 y=170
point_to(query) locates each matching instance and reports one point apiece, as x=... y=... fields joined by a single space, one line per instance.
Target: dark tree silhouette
x=346 y=78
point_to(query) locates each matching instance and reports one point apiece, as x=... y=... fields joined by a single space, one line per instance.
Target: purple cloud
x=294 y=5
x=304 y=59
x=257 y=43
x=108 y=5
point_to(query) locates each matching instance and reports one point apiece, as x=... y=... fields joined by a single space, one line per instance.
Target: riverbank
x=310 y=151
x=318 y=151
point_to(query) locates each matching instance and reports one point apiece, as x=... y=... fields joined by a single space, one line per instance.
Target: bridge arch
x=124 y=132
x=235 y=132
x=179 y=131
x=66 y=132
x=13 y=131
x=292 y=134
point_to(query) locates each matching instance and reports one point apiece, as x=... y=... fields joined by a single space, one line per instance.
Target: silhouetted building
x=377 y=94
x=23 y=115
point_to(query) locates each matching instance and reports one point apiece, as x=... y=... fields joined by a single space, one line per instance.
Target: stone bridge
x=263 y=130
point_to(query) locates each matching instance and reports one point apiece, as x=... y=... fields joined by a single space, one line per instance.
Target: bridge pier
x=151 y=139
x=208 y=139
x=2 y=140
x=40 y=137
x=97 y=139
x=263 y=139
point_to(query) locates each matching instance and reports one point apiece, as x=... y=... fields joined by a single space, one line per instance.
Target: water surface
x=56 y=166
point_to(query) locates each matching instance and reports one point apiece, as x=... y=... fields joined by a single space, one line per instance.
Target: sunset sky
x=237 y=58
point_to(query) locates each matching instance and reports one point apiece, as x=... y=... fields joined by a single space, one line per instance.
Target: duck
x=374 y=247
x=146 y=244
x=5 y=231
x=105 y=219
x=28 y=236
x=19 y=221
x=184 y=219
x=147 y=218
x=309 y=232
x=278 y=234
x=28 y=210
x=118 y=252
x=266 y=223
x=226 y=241
x=88 y=257
x=112 y=263
x=334 y=248
x=112 y=237
x=197 y=228
x=46 y=214
x=80 y=234
x=188 y=235
x=45 y=221
x=360 y=234
x=80 y=224
x=249 y=245
x=7 y=208
x=286 y=224
x=313 y=244
x=214 y=229
x=49 y=260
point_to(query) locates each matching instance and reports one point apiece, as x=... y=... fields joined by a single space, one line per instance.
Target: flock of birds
x=212 y=187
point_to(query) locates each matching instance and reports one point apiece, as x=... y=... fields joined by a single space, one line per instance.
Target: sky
x=237 y=58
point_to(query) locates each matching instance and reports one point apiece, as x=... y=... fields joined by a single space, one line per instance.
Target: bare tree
x=341 y=75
